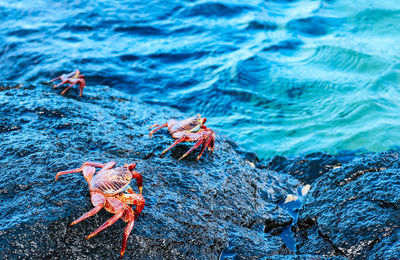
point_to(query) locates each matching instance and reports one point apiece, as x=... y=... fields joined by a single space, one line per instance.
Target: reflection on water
x=277 y=76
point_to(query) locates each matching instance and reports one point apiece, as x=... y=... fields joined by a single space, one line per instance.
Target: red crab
x=109 y=189
x=189 y=130
x=72 y=78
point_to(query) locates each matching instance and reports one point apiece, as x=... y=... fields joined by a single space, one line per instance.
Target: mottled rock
x=223 y=206
x=306 y=168
x=353 y=210
x=194 y=209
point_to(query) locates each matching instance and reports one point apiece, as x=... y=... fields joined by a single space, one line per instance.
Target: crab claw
x=131 y=166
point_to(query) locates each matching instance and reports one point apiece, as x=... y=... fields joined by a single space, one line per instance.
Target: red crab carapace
x=72 y=78
x=109 y=189
x=191 y=129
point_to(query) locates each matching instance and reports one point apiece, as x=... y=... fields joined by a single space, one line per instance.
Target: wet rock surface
x=224 y=206
x=220 y=206
x=305 y=168
x=352 y=209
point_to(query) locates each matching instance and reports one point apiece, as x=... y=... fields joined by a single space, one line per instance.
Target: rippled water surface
x=278 y=77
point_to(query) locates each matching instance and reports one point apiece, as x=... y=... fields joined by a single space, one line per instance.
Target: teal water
x=339 y=89
x=280 y=77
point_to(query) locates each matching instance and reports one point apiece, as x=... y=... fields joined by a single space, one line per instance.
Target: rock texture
x=224 y=206
x=352 y=209
x=220 y=206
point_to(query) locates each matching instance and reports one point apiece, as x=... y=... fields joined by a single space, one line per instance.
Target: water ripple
x=214 y=9
x=315 y=25
x=278 y=76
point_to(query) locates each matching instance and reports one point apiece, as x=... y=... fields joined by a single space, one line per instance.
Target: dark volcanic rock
x=221 y=206
x=353 y=211
x=305 y=168
x=193 y=209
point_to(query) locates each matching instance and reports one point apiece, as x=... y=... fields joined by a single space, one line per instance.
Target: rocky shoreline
x=225 y=205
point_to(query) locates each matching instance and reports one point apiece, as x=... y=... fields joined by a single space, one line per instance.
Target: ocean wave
x=279 y=77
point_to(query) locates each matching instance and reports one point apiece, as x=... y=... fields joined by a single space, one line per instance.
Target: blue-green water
x=279 y=77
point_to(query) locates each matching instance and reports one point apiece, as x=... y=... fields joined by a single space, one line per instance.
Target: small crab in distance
x=109 y=189
x=189 y=130
x=73 y=78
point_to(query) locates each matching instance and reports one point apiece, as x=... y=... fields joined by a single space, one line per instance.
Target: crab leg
x=112 y=205
x=98 y=201
x=211 y=147
x=81 y=86
x=80 y=169
x=107 y=166
x=65 y=90
x=128 y=229
x=106 y=224
x=96 y=164
x=67 y=172
x=88 y=171
x=127 y=232
x=155 y=125
x=57 y=78
x=197 y=144
x=158 y=128
x=88 y=214
x=177 y=141
x=62 y=83
x=206 y=143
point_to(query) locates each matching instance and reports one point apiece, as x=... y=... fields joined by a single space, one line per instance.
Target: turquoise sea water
x=279 y=77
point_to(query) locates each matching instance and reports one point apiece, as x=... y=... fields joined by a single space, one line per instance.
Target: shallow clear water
x=278 y=77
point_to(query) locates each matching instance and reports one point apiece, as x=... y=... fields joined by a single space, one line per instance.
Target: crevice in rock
x=4 y=87
x=327 y=239
x=385 y=204
x=358 y=174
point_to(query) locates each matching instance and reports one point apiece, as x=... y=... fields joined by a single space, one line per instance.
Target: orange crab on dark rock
x=73 y=78
x=189 y=130
x=109 y=189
